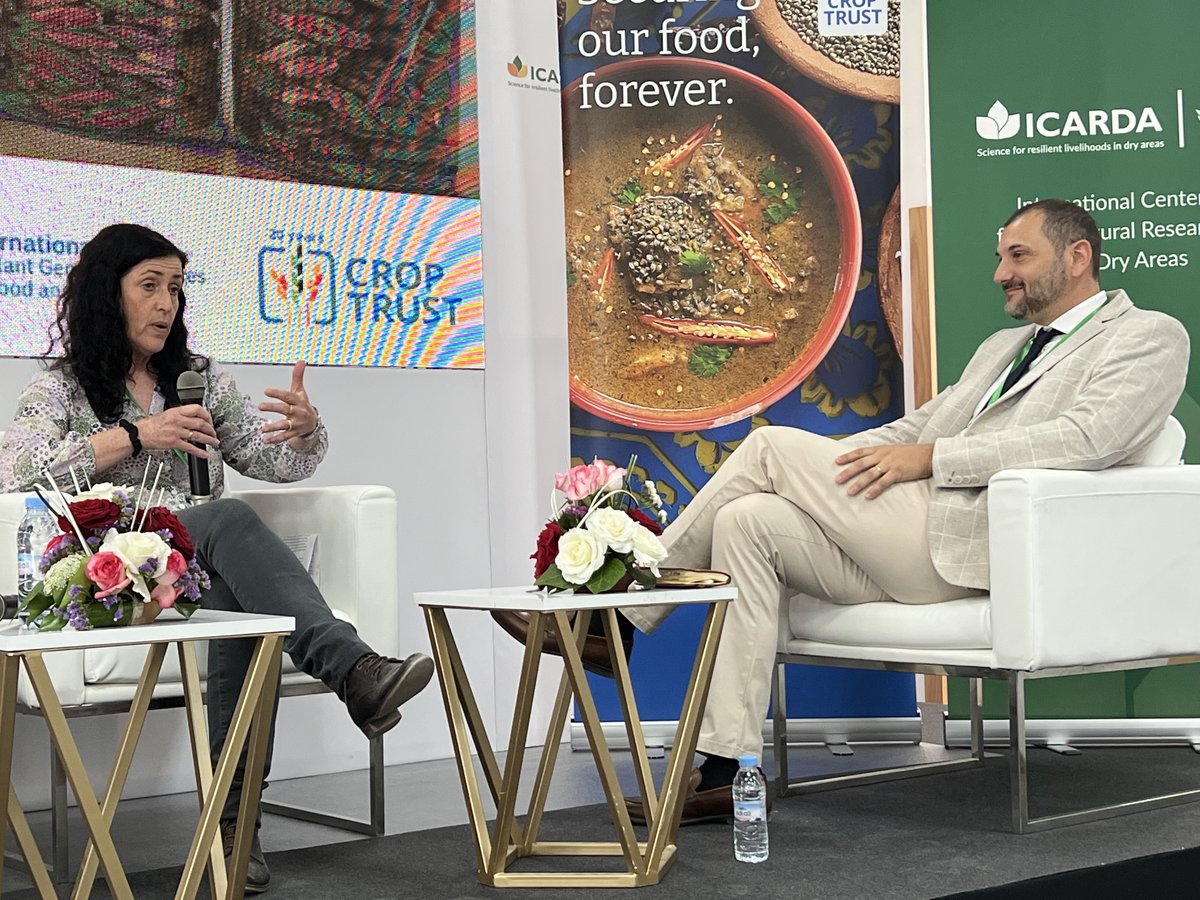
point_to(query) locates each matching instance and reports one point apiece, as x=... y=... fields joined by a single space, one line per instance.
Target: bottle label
x=749 y=811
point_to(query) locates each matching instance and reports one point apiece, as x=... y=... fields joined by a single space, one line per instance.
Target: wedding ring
x=289 y=423
x=189 y=436
x=878 y=471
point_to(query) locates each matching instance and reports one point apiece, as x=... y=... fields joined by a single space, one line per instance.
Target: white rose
x=648 y=550
x=580 y=554
x=612 y=527
x=103 y=491
x=136 y=547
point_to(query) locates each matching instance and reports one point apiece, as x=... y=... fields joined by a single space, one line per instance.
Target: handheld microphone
x=191 y=386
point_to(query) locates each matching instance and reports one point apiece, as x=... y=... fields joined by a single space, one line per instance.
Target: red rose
x=159 y=518
x=547 y=548
x=92 y=515
x=645 y=521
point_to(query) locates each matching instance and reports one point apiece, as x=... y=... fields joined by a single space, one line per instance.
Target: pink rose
x=165 y=595
x=106 y=570
x=578 y=482
x=583 y=481
x=115 y=589
x=176 y=566
x=611 y=477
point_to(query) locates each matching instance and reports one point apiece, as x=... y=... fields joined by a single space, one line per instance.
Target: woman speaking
x=108 y=405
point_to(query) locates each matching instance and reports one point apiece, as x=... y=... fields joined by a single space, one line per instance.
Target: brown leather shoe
x=595 y=650
x=714 y=805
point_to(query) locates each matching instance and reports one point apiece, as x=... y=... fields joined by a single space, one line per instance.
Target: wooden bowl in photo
x=890 y=299
x=808 y=60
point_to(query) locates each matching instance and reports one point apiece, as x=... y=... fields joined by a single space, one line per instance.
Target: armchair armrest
x=356 y=546
x=1092 y=567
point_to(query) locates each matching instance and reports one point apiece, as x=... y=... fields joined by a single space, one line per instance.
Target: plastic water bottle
x=749 y=812
x=36 y=530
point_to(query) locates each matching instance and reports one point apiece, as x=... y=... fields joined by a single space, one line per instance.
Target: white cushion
x=956 y=625
x=356 y=528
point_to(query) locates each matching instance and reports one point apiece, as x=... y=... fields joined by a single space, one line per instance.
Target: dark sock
x=624 y=626
x=716 y=772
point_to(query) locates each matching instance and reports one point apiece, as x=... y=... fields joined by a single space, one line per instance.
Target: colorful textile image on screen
x=317 y=159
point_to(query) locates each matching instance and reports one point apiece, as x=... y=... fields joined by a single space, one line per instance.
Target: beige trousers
x=773 y=518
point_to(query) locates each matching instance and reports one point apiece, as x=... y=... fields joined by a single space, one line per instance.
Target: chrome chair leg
x=1018 y=787
x=779 y=728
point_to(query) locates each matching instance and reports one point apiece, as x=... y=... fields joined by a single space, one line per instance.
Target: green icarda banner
x=1096 y=101
x=1098 y=104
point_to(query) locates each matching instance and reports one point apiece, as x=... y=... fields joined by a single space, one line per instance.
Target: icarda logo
x=538 y=78
x=997 y=125
x=1000 y=125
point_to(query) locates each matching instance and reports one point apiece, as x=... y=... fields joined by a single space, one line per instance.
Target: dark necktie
x=1040 y=340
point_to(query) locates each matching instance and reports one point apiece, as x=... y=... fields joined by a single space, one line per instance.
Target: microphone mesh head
x=190 y=386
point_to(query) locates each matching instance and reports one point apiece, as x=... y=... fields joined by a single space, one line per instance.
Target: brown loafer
x=714 y=805
x=595 y=650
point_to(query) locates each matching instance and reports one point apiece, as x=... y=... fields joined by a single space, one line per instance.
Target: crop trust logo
x=297 y=284
x=533 y=77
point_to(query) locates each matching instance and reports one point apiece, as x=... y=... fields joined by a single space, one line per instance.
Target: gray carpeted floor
x=920 y=838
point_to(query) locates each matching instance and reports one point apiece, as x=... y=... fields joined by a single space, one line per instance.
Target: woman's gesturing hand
x=187 y=428
x=299 y=415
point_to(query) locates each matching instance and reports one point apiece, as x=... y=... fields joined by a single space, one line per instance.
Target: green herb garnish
x=571 y=276
x=773 y=183
x=781 y=210
x=693 y=262
x=707 y=359
x=630 y=192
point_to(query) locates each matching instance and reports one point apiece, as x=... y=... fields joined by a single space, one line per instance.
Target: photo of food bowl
x=713 y=250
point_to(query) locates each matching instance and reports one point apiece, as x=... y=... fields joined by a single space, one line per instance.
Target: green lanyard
x=1029 y=343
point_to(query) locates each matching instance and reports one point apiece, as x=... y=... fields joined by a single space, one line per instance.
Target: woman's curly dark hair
x=91 y=324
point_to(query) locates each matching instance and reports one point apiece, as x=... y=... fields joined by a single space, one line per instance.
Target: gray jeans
x=253 y=571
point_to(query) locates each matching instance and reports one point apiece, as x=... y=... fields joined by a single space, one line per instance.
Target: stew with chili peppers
x=702 y=254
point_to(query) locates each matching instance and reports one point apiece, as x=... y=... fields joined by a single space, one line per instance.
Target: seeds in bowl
x=873 y=54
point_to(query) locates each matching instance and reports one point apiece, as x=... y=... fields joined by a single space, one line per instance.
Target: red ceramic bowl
x=794 y=126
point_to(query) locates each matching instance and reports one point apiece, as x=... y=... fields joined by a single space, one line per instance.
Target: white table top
x=206 y=624
x=525 y=597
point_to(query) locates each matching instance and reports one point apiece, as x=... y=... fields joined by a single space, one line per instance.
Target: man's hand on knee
x=875 y=469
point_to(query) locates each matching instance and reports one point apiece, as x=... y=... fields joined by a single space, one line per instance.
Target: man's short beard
x=1041 y=292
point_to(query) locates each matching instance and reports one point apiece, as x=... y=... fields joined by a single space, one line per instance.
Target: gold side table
x=646 y=861
x=251 y=724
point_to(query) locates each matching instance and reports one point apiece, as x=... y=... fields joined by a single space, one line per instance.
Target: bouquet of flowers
x=112 y=563
x=601 y=535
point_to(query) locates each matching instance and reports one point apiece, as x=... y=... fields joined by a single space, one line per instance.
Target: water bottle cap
x=747 y=760
x=32 y=503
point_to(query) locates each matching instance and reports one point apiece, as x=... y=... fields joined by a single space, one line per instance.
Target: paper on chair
x=305 y=548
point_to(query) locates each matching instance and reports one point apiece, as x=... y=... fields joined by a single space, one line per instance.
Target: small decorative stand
x=646 y=861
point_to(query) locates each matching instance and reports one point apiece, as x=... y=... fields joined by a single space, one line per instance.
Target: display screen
x=316 y=159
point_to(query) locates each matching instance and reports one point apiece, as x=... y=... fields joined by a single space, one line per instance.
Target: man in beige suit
x=899 y=513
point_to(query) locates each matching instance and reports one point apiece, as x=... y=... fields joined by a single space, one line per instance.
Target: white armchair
x=356 y=548
x=1090 y=571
